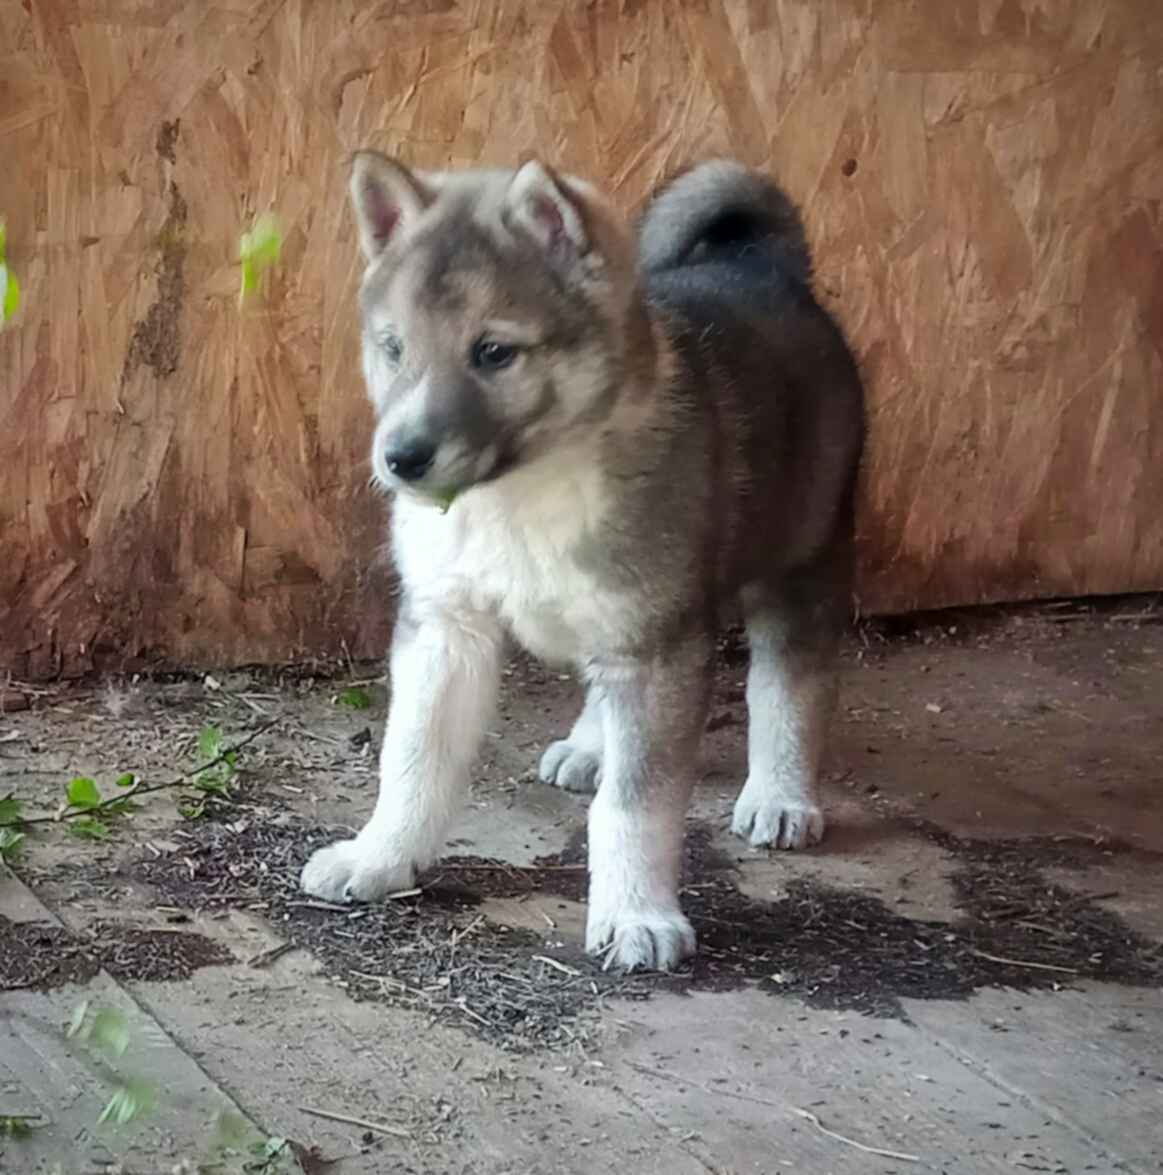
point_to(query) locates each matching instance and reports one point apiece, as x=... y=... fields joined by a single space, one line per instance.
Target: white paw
x=570 y=767
x=349 y=871
x=642 y=938
x=765 y=816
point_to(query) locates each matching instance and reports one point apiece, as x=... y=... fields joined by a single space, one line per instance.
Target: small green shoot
x=443 y=499
x=106 y=1031
x=11 y=836
x=88 y=828
x=355 y=697
x=83 y=795
x=270 y=1150
x=9 y=811
x=9 y=286
x=10 y=842
x=258 y=250
x=19 y=1125
x=216 y=774
x=130 y=1100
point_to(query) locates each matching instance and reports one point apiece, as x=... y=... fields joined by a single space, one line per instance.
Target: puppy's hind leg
x=791 y=692
x=575 y=763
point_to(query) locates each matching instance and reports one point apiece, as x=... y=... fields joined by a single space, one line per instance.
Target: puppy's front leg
x=653 y=717
x=444 y=672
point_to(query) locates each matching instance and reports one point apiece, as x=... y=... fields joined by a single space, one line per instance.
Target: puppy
x=600 y=440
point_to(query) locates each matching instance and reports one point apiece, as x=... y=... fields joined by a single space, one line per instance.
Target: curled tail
x=722 y=209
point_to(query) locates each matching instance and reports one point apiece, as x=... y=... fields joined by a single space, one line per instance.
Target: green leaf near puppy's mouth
x=443 y=499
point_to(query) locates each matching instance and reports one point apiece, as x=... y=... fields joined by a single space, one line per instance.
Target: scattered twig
x=573 y=972
x=1024 y=963
x=1082 y=898
x=363 y=1123
x=263 y=958
x=138 y=790
x=808 y=1116
x=457 y=935
x=798 y=1111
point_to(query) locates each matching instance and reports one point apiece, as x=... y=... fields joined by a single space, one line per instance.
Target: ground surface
x=966 y=974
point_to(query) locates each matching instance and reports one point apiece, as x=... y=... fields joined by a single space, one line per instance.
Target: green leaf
x=212 y=784
x=356 y=697
x=9 y=810
x=78 y=1018
x=209 y=743
x=10 y=841
x=131 y=1099
x=109 y=1031
x=9 y=294
x=271 y=1148
x=3 y=238
x=83 y=793
x=126 y=780
x=19 y=1125
x=231 y=1130
x=89 y=828
x=258 y=250
x=119 y=806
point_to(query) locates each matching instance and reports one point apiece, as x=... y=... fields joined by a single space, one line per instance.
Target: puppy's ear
x=543 y=208
x=385 y=196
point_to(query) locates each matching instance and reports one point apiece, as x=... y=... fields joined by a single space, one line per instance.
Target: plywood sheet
x=982 y=182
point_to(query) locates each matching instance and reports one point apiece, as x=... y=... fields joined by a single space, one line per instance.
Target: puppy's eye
x=392 y=347
x=489 y=355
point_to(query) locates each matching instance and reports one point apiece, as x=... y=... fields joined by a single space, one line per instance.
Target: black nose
x=410 y=460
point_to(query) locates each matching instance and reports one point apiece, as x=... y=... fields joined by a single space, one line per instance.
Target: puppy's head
x=497 y=314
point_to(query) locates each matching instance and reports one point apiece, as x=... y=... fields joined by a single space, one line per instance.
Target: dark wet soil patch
x=525 y=989
x=41 y=955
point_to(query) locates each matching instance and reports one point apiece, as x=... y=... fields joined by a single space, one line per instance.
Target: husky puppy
x=599 y=439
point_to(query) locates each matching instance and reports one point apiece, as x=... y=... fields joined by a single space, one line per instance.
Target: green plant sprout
x=83 y=795
x=9 y=286
x=444 y=500
x=215 y=775
x=258 y=250
x=11 y=828
x=355 y=697
x=105 y=1031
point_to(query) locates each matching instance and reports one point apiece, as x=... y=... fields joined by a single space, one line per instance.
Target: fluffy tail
x=723 y=209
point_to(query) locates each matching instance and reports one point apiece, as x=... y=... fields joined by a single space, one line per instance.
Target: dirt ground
x=966 y=977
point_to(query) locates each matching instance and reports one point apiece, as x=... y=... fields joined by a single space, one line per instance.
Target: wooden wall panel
x=982 y=181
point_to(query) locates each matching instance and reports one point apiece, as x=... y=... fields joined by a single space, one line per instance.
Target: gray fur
x=678 y=436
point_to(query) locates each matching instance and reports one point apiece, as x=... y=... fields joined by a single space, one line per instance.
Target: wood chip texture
x=185 y=481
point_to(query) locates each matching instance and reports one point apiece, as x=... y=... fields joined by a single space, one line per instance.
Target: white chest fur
x=510 y=549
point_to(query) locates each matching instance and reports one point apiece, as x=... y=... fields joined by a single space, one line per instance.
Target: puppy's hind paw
x=570 y=768
x=772 y=819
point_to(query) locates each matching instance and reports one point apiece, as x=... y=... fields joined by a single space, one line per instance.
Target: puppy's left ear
x=545 y=209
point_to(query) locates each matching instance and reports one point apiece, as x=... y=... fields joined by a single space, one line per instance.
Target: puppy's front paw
x=639 y=939
x=570 y=767
x=351 y=871
x=767 y=817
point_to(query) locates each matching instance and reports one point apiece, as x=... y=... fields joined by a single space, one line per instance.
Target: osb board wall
x=981 y=179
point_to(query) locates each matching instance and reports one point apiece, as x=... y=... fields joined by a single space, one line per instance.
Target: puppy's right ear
x=385 y=196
